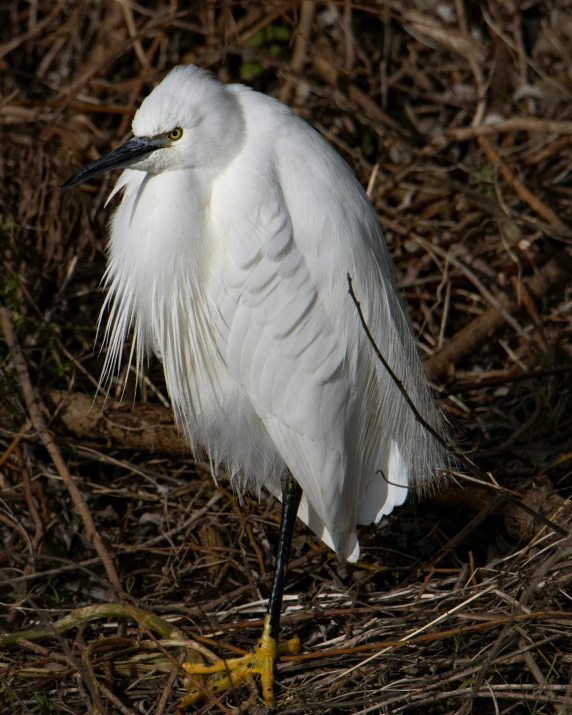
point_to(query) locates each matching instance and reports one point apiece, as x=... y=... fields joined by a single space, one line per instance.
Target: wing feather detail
x=282 y=350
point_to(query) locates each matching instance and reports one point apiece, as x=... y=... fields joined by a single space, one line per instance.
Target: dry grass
x=457 y=115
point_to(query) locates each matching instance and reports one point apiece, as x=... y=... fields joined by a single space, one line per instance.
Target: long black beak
x=120 y=158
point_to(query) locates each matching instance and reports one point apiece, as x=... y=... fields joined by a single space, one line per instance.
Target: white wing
x=295 y=344
x=281 y=348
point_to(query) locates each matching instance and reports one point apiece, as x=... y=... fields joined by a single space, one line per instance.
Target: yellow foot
x=233 y=672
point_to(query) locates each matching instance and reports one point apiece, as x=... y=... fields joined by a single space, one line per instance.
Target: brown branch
x=300 y=48
x=371 y=108
x=423 y=638
x=520 y=189
x=39 y=424
x=549 y=278
x=524 y=297
x=149 y=428
x=39 y=27
x=27 y=485
x=514 y=124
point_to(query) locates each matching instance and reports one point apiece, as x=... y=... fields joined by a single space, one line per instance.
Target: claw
x=240 y=670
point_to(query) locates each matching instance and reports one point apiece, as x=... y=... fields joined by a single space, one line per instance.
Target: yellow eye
x=175 y=134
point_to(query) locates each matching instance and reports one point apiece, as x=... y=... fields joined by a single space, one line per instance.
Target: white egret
x=228 y=258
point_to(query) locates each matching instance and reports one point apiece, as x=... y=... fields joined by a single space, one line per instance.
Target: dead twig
x=39 y=425
x=307 y=10
x=525 y=194
x=549 y=278
x=513 y=124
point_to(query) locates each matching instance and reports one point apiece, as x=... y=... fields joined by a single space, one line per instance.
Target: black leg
x=261 y=661
x=291 y=495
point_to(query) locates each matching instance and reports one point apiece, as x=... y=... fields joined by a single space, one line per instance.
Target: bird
x=228 y=259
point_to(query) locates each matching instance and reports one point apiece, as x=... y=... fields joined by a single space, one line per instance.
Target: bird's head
x=189 y=121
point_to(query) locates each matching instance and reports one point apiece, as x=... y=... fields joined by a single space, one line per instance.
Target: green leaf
x=257 y=39
x=249 y=70
x=281 y=33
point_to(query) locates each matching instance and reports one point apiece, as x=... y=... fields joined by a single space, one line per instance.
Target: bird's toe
x=227 y=674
